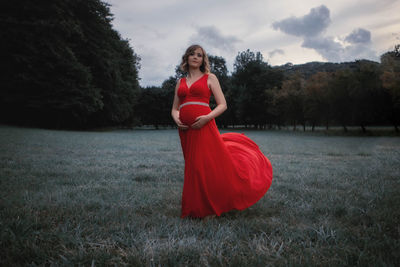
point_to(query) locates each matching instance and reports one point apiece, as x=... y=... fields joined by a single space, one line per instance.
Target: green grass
x=113 y=198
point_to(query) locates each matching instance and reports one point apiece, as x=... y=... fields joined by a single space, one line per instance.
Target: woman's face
x=195 y=59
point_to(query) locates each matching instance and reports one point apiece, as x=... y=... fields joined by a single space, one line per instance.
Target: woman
x=222 y=172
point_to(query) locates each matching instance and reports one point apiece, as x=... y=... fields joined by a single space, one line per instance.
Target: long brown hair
x=205 y=66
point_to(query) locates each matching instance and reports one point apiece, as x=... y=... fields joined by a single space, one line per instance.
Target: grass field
x=113 y=198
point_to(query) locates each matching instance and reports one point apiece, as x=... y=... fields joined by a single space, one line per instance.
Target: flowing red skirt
x=222 y=172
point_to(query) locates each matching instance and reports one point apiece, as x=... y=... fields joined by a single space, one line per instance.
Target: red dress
x=222 y=171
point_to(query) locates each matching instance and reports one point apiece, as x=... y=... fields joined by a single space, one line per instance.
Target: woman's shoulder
x=212 y=76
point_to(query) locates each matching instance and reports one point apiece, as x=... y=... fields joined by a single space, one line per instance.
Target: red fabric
x=196 y=92
x=222 y=172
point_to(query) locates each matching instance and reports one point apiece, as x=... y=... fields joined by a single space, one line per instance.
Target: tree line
x=64 y=66
x=358 y=93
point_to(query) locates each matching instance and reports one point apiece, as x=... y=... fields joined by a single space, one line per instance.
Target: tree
x=390 y=77
x=64 y=66
x=245 y=57
x=251 y=78
x=113 y=62
x=147 y=106
x=317 y=106
x=294 y=98
x=339 y=97
x=179 y=73
x=218 y=67
x=276 y=107
x=154 y=105
x=168 y=91
x=366 y=93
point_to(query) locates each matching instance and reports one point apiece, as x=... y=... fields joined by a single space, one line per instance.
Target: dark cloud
x=359 y=51
x=311 y=27
x=312 y=24
x=334 y=51
x=212 y=37
x=276 y=51
x=359 y=36
x=327 y=47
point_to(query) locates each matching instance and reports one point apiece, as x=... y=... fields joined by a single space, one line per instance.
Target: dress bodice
x=198 y=90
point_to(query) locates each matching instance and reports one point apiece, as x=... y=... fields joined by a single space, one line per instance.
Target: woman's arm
x=175 y=109
x=215 y=87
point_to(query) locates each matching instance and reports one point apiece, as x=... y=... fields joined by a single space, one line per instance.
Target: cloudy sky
x=283 y=31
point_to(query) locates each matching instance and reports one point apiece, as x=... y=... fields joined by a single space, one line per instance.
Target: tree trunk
x=313 y=126
x=396 y=128
x=363 y=128
x=304 y=127
x=345 y=128
x=294 y=126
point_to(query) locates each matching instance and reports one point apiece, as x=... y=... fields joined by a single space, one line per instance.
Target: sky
x=159 y=31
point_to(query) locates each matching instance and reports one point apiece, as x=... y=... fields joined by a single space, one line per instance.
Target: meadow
x=100 y=198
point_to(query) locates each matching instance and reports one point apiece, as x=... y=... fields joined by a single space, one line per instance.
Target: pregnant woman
x=222 y=172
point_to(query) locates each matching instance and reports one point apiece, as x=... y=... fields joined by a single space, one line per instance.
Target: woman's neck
x=192 y=73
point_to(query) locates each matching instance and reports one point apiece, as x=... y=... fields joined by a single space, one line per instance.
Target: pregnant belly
x=188 y=114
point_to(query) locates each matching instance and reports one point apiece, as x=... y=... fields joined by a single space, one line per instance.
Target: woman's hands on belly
x=200 y=121
x=182 y=126
x=194 y=116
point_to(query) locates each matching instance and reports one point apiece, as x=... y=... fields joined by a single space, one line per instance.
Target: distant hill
x=310 y=68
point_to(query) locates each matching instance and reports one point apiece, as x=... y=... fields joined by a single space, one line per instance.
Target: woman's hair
x=205 y=66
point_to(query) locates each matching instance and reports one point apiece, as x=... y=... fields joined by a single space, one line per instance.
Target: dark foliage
x=63 y=66
x=359 y=93
x=252 y=80
x=154 y=107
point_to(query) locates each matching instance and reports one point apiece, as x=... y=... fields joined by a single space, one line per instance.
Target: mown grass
x=113 y=198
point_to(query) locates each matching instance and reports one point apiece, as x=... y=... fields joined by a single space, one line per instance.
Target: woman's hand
x=181 y=126
x=200 y=121
x=178 y=122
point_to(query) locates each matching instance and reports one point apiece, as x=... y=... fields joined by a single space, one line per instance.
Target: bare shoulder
x=212 y=76
x=213 y=83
